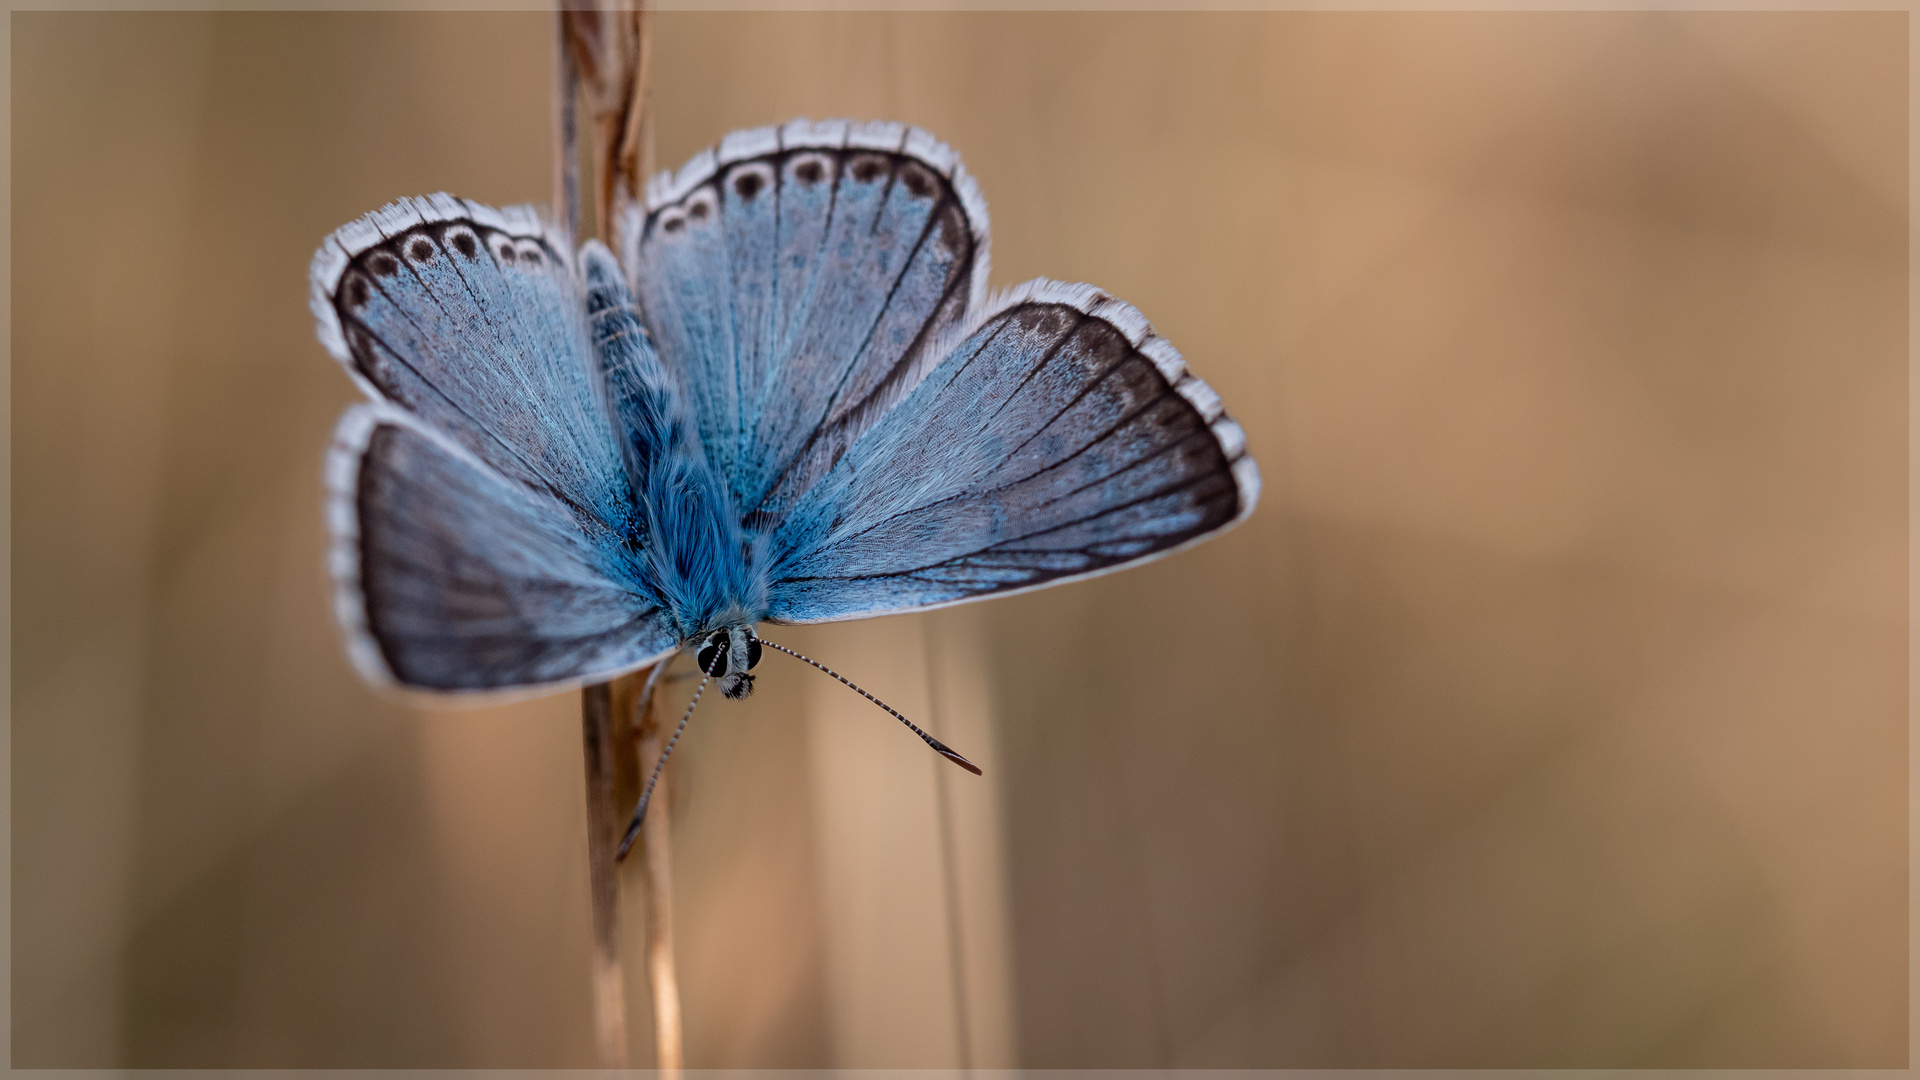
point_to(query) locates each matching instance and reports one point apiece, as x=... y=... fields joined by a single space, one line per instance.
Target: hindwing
x=1058 y=439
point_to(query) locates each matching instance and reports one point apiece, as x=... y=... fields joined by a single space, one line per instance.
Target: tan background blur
x=1549 y=712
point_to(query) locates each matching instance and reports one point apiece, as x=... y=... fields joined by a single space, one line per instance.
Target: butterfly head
x=727 y=654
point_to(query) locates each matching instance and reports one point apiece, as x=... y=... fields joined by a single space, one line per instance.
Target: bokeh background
x=1551 y=711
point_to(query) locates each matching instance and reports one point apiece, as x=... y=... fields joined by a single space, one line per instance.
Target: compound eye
x=753 y=652
x=712 y=656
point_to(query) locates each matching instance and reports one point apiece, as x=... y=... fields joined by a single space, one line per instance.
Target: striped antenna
x=640 y=811
x=938 y=746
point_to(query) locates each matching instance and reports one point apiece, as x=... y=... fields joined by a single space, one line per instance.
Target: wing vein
x=866 y=342
x=1171 y=489
x=512 y=452
x=1091 y=385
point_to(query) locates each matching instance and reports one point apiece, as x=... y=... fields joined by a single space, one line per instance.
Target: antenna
x=938 y=746
x=640 y=811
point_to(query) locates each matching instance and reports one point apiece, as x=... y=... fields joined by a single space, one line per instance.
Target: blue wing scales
x=486 y=533
x=471 y=319
x=796 y=278
x=1059 y=439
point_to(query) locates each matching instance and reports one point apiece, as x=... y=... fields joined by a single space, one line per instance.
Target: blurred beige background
x=1551 y=711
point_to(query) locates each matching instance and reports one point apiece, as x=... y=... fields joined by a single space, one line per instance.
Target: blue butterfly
x=789 y=400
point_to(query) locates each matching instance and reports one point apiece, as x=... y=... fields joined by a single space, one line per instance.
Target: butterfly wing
x=485 y=531
x=796 y=278
x=449 y=577
x=471 y=319
x=1060 y=438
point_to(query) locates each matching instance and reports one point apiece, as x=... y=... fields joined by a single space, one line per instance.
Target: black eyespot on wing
x=748 y=185
x=753 y=653
x=463 y=243
x=809 y=172
x=918 y=183
x=673 y=224
x=698 y=211
x=357 y=294
x=384 y=264
x=506 y=252
x=420 y=250
x=867 y=168
x=531 y=258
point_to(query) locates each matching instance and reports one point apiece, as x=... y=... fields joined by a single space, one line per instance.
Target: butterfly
x=789 y=399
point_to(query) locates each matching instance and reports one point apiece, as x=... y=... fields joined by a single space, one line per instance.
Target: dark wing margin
x=452 y=580
x=1059 y=438
x=796 y=277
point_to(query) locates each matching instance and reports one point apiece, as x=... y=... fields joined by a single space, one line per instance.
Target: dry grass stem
x=603 y=749
x=657 y=883
x=609 y=46
x=603 y=61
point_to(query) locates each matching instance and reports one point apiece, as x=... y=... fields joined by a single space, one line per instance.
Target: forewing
x=1060 y=438
x=796 y=278
x=471 y=319
x=450 y=578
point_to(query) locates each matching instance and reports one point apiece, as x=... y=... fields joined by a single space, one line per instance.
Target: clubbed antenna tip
x=939 y=747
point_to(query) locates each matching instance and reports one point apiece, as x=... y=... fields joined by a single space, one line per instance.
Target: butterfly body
x=789 y=399
x=706 y=569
